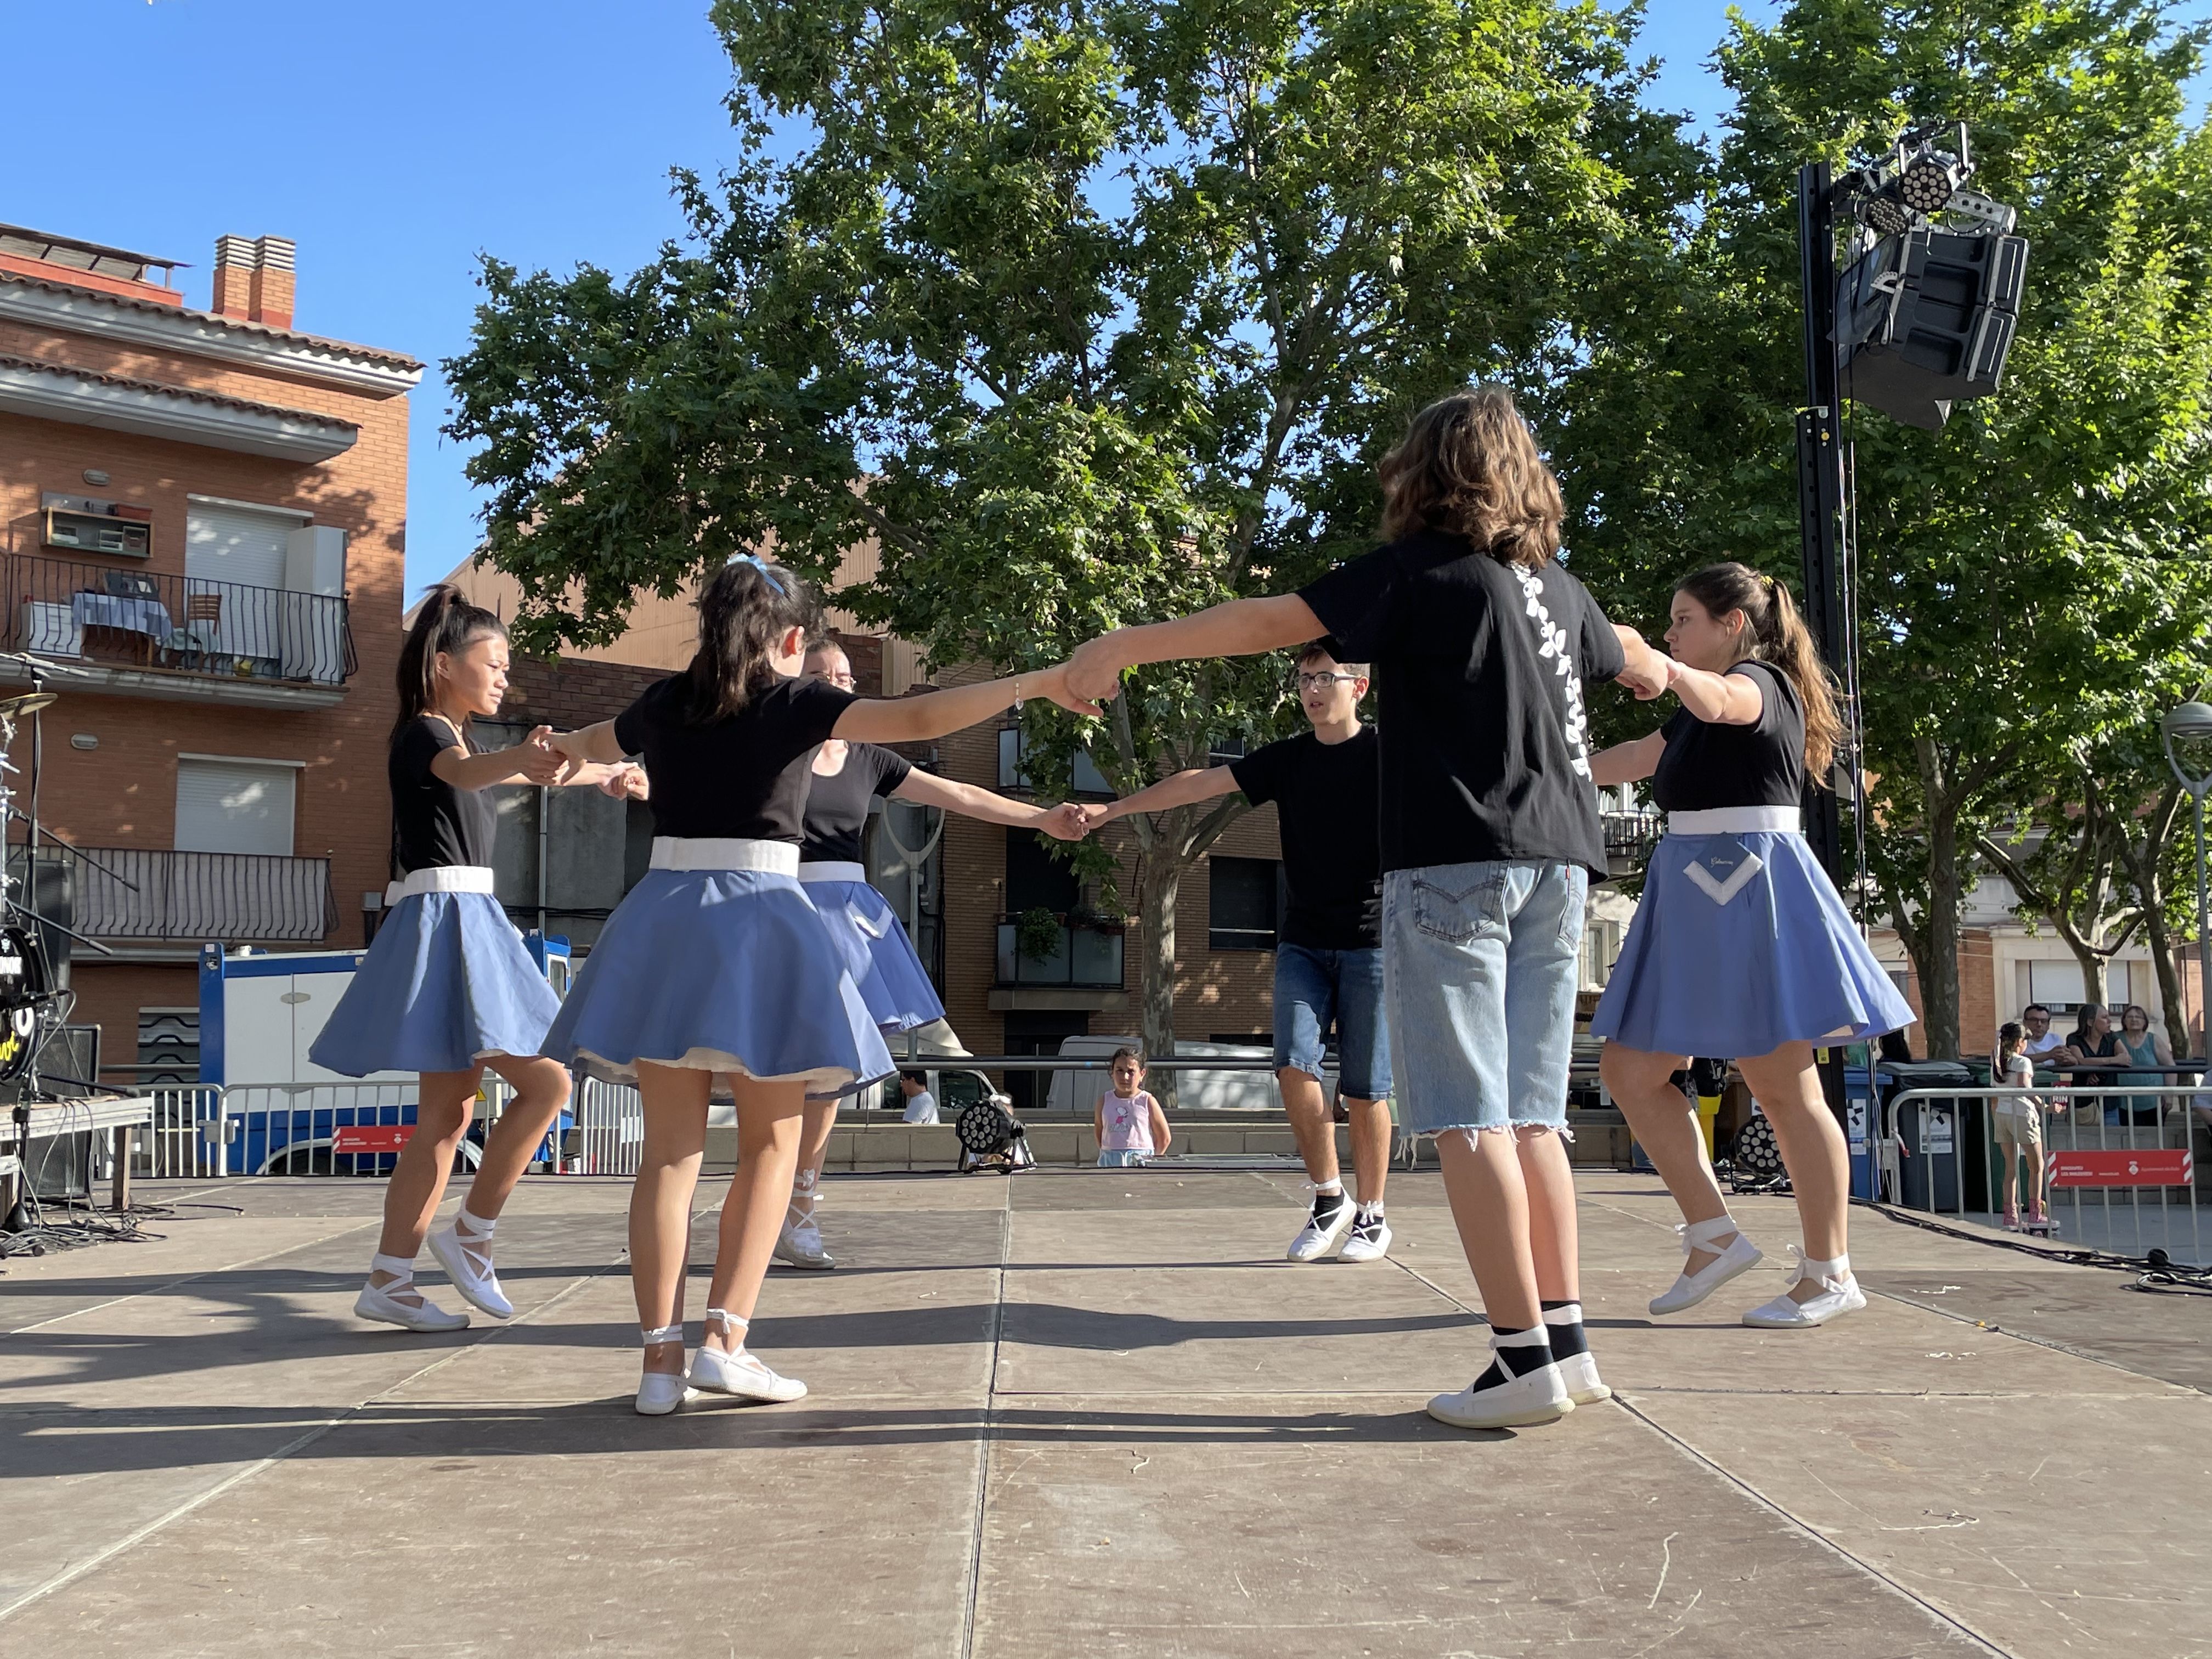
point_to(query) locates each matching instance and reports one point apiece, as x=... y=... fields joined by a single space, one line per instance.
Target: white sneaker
x=1738 y=1256
x=382 y=1302
x=1570 y=1353
x=660 y=1393
x=741 y=1373
x=1368 y=1241
x=1500 y=1399
x=800 y=1245
x=466 y=1258
x=1319 y=1237
x=1839 y=1294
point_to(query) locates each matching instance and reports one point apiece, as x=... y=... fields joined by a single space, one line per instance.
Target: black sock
x=1326 y=1204
x=1566 y=1335
x=1508 y=1362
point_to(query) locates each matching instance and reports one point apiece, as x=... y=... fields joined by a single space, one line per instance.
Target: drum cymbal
x=28 y=702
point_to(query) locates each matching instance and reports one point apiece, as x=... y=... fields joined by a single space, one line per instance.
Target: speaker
x=1925 y=319
x=48 y=891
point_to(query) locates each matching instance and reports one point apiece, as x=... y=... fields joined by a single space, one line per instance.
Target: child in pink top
x=1131 y=1128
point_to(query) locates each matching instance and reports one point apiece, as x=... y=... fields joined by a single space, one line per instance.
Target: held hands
x=626 y=782
x=538 y=760
x=1094 y=673
x=1647 y=673
x=568 y=748
x=1063 y=822
x=1056 y=684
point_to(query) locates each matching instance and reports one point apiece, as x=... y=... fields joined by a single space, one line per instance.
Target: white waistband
x=1737 y=821
x=776 y=858
x=440 y=879
x=833 y=870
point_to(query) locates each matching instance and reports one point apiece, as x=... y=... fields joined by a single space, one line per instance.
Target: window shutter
x=234 y=807
x=236 y=544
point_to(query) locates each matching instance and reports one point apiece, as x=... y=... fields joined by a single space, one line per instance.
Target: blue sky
x=394 y=140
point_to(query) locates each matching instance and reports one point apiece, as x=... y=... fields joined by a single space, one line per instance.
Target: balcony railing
x=1080 y=954
x=102 y=613
x=1630 y=836
x=157 y=893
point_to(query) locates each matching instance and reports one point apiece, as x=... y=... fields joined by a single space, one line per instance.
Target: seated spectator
x=2088 y=1053
x=2144 y=1047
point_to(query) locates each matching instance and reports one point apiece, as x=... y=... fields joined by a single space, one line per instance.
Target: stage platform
x=1085 y=1412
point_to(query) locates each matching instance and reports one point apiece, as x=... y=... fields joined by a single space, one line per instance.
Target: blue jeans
x=1315 y=989
x=1112 y=1158
x=1481 y=964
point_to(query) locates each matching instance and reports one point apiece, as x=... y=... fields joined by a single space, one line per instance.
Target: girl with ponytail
x=1742 y=945
x=718 y=964
x=446 y=987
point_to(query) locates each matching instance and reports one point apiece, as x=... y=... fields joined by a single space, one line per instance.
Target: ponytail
x=1777 y=636
x=2010 y=1036
x=445 y=622
x=745 y=607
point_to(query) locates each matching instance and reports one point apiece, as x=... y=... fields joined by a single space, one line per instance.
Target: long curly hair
x=1469 y=465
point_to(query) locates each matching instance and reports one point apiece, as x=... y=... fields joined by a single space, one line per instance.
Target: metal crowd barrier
x=608 y=1131
x=202 y=1130
x=2129 y=1160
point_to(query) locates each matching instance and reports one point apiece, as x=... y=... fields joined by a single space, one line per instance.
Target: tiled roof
x=216 y=398
x=239 y=324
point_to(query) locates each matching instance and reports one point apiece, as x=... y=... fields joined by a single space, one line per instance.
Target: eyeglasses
x=846 y=680
x=1322 y=681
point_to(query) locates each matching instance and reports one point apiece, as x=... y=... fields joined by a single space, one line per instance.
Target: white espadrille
x=1839 y=1294
x=1738 y=1256
x=740 y=1372
x=384 y=1303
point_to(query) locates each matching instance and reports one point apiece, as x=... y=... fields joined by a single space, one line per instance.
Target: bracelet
x=1017 y=691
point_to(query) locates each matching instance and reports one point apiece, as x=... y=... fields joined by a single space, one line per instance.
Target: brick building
x=204 y=515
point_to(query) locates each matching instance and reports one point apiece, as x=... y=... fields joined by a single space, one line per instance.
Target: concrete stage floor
x=1086 y=1413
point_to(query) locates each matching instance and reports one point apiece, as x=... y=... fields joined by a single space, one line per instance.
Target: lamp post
x=2192 y=721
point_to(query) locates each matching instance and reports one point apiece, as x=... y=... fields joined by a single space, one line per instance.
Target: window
x=227 y=805
x=1034 y=879
x=1222 y=750
x=2055 y=984
x=230 y=542
x=1244 y=900
x=1013 y=749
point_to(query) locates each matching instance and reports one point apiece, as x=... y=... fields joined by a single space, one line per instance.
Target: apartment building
x=202 y=506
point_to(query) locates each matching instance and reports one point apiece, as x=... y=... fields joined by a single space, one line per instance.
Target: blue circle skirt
x=892 y=981
x=1742 y=944
x=720 y=970
x=446 y=984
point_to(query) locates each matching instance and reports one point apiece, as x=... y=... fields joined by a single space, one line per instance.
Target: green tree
x=1086 y=314
x=2017 y=570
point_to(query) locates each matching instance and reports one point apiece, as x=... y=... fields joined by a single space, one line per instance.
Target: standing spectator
x=1131 y=1128
x=2018 y=1124
x=2145 y=1046
x=920 y=1105
x=2088 y=1052
x=2040 y=1041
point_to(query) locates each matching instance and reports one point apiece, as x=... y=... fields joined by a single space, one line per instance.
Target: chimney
x=254 y=280
x=234 y=276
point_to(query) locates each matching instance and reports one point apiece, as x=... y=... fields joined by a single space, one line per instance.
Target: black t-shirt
x=837 y=808
x=743 y=776
x=1331 y=828
x=1480 y=668
x=433 y=823
x=1707 y=765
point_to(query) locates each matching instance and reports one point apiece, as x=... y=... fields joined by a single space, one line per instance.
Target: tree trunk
x=1939 y=971
x=2093 y=971
x=1159 y=880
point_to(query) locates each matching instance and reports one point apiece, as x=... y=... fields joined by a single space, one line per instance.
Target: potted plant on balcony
x=1037 y=933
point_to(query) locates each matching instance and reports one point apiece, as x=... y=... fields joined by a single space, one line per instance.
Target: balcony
x=157 y=895
x=140 y=633
x=1061 y=954
x=1630 y=837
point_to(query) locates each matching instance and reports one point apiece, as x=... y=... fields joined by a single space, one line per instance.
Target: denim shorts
x=1110 y=1158
x=1481 y=967
x=1315 y=989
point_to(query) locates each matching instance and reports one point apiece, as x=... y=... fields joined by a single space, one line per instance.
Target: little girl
x=1131 y=1128
x=717 y=963
x=2018 y=1125
x=447 y=989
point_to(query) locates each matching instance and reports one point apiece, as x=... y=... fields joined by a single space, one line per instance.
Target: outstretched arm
x=1716 y=699
x=1628 y=762
x=938 y=714
x=586 y=745
x=1242 y=628
x=1643 y=670
x=528 y=762
x=1202 y=783
x=926 y=789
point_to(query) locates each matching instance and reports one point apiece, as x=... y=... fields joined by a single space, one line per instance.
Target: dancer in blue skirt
x=717 y=962
x=845 y=778
x=1741 y=945
x=446 y=987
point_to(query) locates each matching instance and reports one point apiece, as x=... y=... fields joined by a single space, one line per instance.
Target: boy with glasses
x=1328 y=961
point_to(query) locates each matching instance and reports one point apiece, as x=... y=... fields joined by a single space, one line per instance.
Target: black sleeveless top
x=433 y=823
x=1707 y=765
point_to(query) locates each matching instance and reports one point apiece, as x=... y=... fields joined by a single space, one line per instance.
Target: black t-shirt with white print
x=744 y=776
x=837 y=807
x=1707 y=765
x=1325 y=796
x=1478 y=667
x=433 y=825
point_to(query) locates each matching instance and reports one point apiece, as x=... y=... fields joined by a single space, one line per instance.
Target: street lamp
x=2192 y=722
